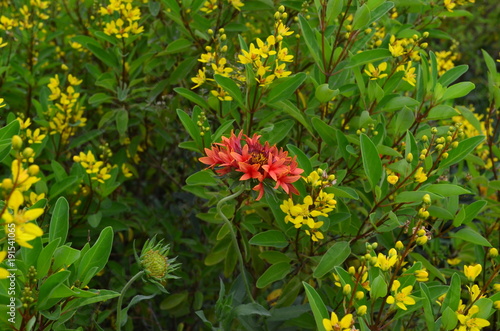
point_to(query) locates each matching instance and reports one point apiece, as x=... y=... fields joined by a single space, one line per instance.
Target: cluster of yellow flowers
x=446 y=59
x=96 y=169
x=318 y=203
x=124 y=19
x=66 y=114
x=267 y=59
x=210 y=6
x=17 y=221
x=451 y=4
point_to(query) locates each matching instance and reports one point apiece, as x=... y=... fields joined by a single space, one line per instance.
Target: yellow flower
x=385 y=263
x=333 y=324
x=315 y=234
x=237 y=4
x=199 y=79
x=469 y=323
x=73 y=80
x=395 y=47
x=420 y=175
x=422 y=275
x=471 y=272
x=3 y=272
x=281 y=72
x=410 y=75
x=2 y=44
x=1 y=103
x=252 y=55
x=221 y=95
x=454 y=261
x=24 y=231
x=376 y=73
x=402 y=298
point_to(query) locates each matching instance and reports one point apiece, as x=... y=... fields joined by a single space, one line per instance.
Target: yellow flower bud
x=392 y=179
x=7 y=183
x=33 y=170
x=421 y=232
x=352 y=270
x=422 y=240
x=493 y=252
x=434 y=130
x=425 y=138
x=496 y=304
x=445 y=155
x=28 y=152
x=425 y=34
x=426 y=199
x=359 y=295
x=399 y=245
x=361 y=310
x=454 y=144
x=409 y=157
x=347 y=289
x=281 y=9
x=17 y=142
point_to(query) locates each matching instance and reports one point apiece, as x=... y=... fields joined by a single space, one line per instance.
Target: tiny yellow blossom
x=401 y=298
x=333 y=324
x=420 y=175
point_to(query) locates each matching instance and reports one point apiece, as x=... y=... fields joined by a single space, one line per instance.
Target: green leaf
x=61 y=187
x=203 y=177
x=398 y=103
x=335 y=255
x=446 y=190
x=274 y=273
x=452 y=299
x=97 y=256
x=108 y=58
x=469 y=235
x=251 y=309
x=452 y=75
x=325 y=131
x=464 y=148
x=369 y=56
x=285 y=87
x=45 y=258
x=59 y=223
x=122 y=122
x=378 y=287
x=177 y=46
x=272 y=238
x=100 y=98
x=371 y=160
x=361 y=17
x=191 y=96
x=222 y=130
x=278 y=131
x=449 y=319
x=230 y=87
x=58 y=169
x=333 y=9
x=472 y=210
x=191 y=128
x=318 y=307
x=289 y=107
x=49 y=286
x=132 y=302
x=310 y=39
x=458 y=90
x=404 y=120
x=427 y=303
x=10 y=130
x=324 y=94
x=441 y=112
x=101 y=295
x=303 y=160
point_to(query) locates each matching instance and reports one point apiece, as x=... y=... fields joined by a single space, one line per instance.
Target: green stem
x=120 y=300
x=234 y=239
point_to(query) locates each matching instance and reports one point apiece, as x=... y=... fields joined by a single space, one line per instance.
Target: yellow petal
x=16 y=200
x=4 y=273
x=33 y=214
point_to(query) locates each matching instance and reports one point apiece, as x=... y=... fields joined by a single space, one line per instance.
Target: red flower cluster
x=255 y=161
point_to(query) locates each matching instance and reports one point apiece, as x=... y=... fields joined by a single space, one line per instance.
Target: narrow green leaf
x=427 y=303
x=464 y=148
x=97 y=256
x=274 y=273
x=191 y=128
x=335 y=255
x=369 y=56
x=108 y=58
x=190 y=95
x=272 y=238
x=59 y=223
x=310 y=40
x=318 y=307
x=285 y=87
x=371 y=160
x=458 y=90
x=441 y=112
x=452 y=75
x=446 y=190
x=361 y=17
x=469 y=235
x=231 y=87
